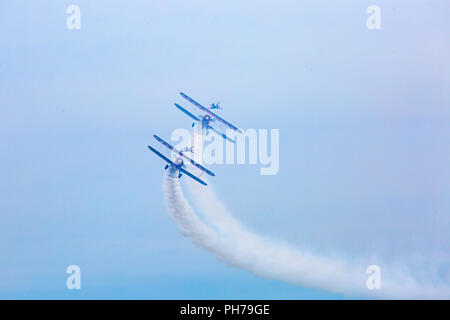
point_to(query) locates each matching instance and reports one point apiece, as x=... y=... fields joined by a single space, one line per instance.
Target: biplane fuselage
x=177 y=164
x=206 y=120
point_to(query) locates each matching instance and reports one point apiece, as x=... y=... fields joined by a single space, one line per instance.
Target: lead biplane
x=207 y=117
x=179 y=164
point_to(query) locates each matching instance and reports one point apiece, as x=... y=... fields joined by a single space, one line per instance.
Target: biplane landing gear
x=179 y=175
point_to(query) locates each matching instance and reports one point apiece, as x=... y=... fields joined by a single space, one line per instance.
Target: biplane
x=180 y=163
x=206 y=117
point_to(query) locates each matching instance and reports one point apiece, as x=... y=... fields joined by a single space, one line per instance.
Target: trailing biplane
x=180 y=163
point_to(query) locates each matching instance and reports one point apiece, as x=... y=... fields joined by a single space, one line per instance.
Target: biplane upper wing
x=198 y=105
x=161 y=155
x=183 y=155
x=220 y=134
x=192 y=176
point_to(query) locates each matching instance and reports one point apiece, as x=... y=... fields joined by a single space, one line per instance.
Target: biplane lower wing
x=223 y=135
x=161 y=155
x=192 y=176
x=198 y=105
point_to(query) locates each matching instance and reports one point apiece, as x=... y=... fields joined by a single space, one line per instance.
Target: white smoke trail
x=184 y=216
x=236 y=245
x=191 y=226
x=285 y=263
x=272 y=259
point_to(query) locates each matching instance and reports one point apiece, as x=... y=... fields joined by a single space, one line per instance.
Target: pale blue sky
x=364 y=139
